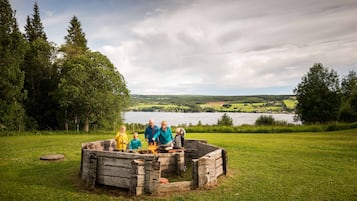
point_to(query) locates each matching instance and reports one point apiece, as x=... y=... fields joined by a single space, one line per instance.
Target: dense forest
x=48 y=87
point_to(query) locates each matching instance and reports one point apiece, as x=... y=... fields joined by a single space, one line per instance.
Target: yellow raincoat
x=122 y=141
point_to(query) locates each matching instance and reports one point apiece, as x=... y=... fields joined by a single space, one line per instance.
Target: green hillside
x=196 y=103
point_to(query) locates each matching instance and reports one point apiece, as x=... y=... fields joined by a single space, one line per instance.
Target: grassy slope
x=302 y=166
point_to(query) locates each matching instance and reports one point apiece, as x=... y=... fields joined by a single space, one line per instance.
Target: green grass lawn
x=296 y=166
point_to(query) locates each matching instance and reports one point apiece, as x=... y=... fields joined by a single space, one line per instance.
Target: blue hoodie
x=165 y=137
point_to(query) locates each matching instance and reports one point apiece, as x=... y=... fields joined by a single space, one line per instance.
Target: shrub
x=225 y=120
x=265 y=120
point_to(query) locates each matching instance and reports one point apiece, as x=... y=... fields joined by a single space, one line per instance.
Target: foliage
x=348 y=109
x=41 y=76
x=225 y=120
x=299 y=166
x=12 y=49
x=92 y=90
x=266 y=120
x=318 y=95
x=277 y=127
x=77 y=87
x=76 y=42
x=34 y=28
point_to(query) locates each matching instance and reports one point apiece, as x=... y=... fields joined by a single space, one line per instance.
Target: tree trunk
x=86 y=123
x=65 y=121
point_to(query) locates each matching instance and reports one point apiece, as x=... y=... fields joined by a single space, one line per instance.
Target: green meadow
x=294 y=166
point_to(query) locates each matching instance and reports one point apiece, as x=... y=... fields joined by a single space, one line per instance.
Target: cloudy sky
x=210 y=47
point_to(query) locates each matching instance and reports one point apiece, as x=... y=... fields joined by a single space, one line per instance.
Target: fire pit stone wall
x=141 y=173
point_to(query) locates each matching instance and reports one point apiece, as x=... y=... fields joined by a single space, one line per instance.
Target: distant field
x=261 y=104
x=290 y=104
x=298 y=166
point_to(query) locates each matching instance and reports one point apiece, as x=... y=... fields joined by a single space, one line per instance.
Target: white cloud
x=218 y=47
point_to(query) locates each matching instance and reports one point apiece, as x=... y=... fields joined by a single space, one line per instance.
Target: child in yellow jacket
x=122 y=139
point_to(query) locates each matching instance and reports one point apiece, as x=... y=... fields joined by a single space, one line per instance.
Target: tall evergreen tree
x=90 y=90
x=34 y=28
x=76 y=42
x=40 y=77
x=12 y=49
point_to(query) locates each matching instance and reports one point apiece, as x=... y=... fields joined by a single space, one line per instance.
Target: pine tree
x=12 y=48
x=40 y=79
x=34 y=28
x=76 y=42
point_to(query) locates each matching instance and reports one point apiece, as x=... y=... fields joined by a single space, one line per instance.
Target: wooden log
x=117 y=162
x=168 y=160
x=139 y=190
x=140 y=180
x=203 y=176
x=152 y=176
x=175 y=187
x=114 y=181
x=114 y=171
x=92 y=172
x=179 y=163
x=194 y=164
x=125 y=155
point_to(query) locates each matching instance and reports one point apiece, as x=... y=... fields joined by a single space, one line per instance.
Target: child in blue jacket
x=135 y=143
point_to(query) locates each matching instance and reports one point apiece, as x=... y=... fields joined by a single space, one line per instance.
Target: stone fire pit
x=141 y=173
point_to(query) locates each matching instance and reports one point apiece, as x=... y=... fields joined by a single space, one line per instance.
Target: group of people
x=153 y=135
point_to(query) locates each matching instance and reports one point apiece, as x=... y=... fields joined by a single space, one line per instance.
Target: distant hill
x=201 y=103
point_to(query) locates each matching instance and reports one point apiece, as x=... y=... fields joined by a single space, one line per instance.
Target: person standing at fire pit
x=164 y=136
x=135 y=143
x=150 y=132
x=122 y=139
x=179 y=138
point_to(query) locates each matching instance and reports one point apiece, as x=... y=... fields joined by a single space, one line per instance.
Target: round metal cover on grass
x=52 y=157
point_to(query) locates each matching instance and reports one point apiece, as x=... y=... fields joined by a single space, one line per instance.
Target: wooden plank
x=114 y=171
x=194 y=166
x=175 y=150
x=139 y=190
x=125 y=155
x=114 y=181
x=168 y=160
x=175 y=187
x=140 y=170
x=215 y=154
x=211 y=169
x=219 y=171
x=92 y=172
x=140 y=180
x=118 y=162
x=219 y=162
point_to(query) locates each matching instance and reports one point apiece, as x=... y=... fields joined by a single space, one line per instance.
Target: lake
x=176 y=118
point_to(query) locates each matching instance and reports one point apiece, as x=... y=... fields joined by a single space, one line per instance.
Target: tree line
x=323 y=98
x=49 y=87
